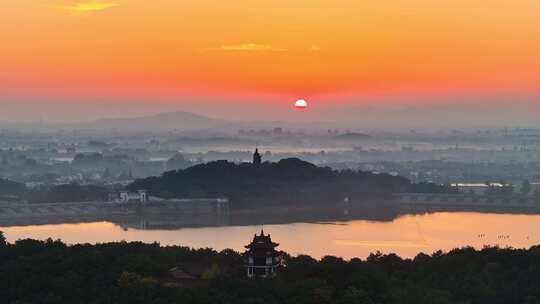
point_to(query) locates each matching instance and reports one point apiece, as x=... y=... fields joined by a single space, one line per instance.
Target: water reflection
x=406 y=235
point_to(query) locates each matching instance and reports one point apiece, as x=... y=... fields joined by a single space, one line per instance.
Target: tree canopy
x=50 y=271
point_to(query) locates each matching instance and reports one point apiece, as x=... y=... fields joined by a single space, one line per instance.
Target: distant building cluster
x=125 y=196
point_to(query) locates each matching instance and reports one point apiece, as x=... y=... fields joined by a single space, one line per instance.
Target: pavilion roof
x=262 y=242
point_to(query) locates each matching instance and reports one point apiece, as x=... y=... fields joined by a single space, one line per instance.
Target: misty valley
x=135 y=175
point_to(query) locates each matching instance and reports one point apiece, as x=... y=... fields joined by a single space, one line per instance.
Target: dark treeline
x=17 y=192
x=68 y=193
x=51 y=272
x=291 y=181
x=11 y=188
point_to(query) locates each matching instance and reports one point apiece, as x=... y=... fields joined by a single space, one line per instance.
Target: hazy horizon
x=443 y=115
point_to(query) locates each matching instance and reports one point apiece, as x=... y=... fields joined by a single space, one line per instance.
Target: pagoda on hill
x=261 y=257
x=257 y=158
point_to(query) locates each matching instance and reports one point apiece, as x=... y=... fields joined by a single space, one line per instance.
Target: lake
x=406 y=235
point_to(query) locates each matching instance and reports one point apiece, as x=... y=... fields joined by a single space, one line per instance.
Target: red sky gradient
x=352 y=52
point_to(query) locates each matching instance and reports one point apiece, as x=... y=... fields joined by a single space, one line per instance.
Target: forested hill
x=287 y=181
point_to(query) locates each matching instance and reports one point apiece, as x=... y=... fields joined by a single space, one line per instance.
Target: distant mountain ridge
x=170 y=120
x=178 y=120
x=182 y=120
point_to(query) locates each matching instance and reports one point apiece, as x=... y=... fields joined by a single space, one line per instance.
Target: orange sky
x=284 y=48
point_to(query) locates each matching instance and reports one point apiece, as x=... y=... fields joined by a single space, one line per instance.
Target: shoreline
x=177 y=216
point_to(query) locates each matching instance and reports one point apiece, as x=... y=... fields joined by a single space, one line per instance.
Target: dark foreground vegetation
x=51 y=272
x=289 y=181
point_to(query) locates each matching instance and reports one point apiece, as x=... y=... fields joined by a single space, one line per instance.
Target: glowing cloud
x=87 y=6
x=249 y=47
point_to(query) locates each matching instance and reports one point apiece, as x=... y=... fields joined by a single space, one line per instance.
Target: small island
x=290 y=181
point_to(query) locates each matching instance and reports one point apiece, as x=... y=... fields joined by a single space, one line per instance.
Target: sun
x=300 y=104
